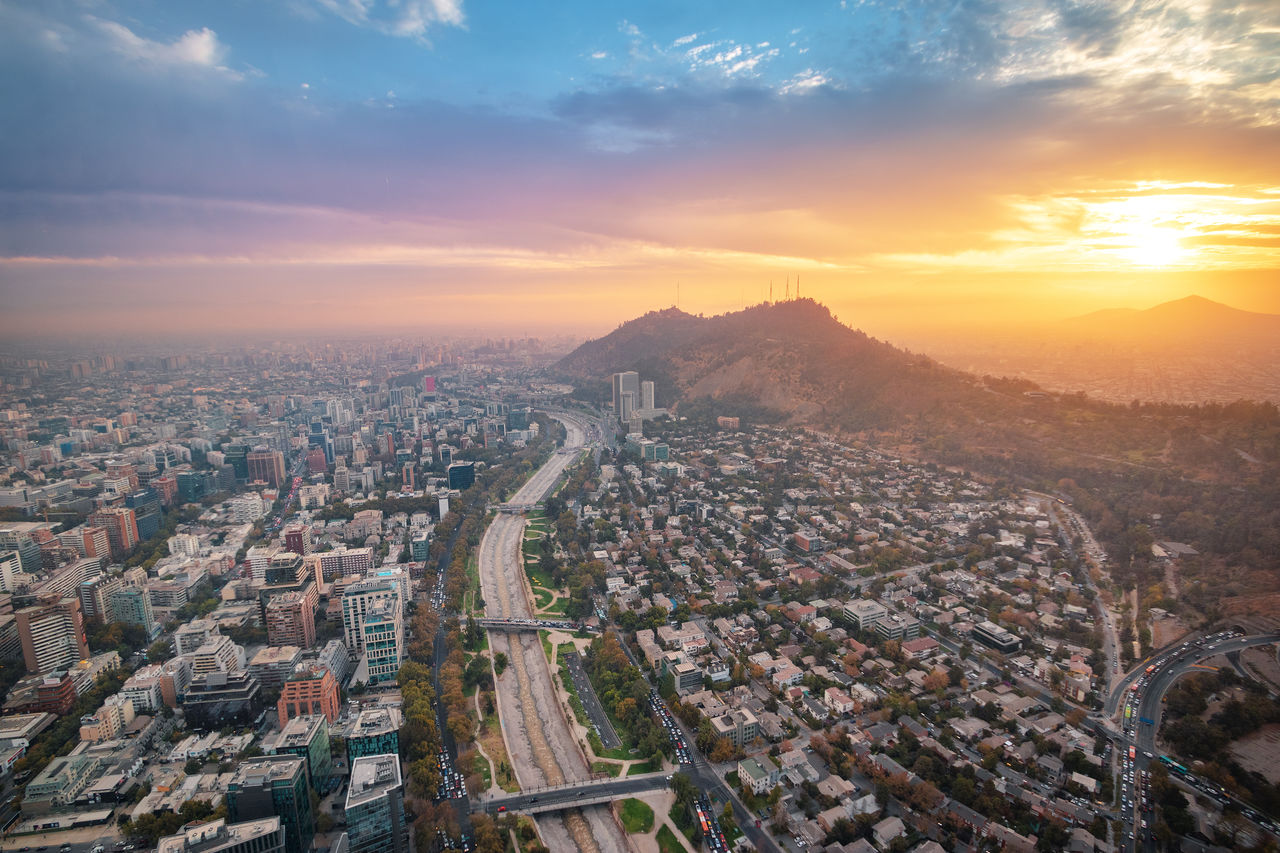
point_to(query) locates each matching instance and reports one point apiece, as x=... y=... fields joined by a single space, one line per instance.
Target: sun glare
x=1156 y=247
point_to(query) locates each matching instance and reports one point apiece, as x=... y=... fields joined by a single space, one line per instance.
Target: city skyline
x=434 y=162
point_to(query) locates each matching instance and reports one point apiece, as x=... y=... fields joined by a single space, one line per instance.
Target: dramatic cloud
x=913 y=145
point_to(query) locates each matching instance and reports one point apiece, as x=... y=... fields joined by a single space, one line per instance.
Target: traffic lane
x=591 y=703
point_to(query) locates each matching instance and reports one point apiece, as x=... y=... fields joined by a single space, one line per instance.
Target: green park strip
x=636 y=816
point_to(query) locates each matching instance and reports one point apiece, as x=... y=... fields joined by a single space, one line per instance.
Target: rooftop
x=371 y=777
x=216 y=835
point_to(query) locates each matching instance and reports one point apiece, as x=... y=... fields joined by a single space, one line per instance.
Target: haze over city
x=916 y=166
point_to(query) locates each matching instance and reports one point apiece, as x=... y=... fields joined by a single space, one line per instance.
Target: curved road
x=541 y=744
x=1170 y=664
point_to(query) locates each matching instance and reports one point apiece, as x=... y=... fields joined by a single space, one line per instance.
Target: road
x=591 y=702
x=1095 y=556
x=1142 y=693
x=542 y=748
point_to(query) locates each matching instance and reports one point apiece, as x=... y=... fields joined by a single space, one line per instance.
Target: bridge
x=573 y=795
x=515 y=508
x=514 y=626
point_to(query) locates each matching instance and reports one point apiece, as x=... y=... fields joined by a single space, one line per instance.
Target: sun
x=1155 y=247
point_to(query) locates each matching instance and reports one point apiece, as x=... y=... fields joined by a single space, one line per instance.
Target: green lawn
x=650 y=766
x=482 y=767
x=542 y=597
x=544 y=636
x=606 y=767
x=636 y=816
x=557 y=607
x=667 y=841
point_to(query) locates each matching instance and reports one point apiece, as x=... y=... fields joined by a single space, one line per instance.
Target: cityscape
x=430 y=426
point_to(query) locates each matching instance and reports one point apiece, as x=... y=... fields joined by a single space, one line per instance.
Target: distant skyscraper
x=626 y=394
x=646 y=396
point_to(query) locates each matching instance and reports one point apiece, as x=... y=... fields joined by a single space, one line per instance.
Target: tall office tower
x=52 y=635
x=342 y=479
x=121 y=526
x=274 y=786
x=626 y=394
x=266 y=465
x=375 y=806
x=357 y=600
x=646 y=396
x=381 y=634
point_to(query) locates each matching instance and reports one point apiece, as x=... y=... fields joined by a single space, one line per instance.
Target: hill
x=1192 y=319
x=789 y=361
x=1207 y=475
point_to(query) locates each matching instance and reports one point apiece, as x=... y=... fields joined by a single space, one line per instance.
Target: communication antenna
x=797 y=286
x=771 y=291
x=788 y=288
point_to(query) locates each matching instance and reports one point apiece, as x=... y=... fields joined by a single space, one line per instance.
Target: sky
x=563 y=167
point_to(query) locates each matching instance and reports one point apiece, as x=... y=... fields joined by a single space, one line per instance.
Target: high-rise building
x=10 y=568
x=132 y=606
x=375 y=806
x=122 y=528
x=148 y=517
x=217 y=654
x=266 y=465
x=88 y=540
x=626 y=394
x=310 y=690
x=274 y=786
x=307 y=737
x=291 y=620
x=462 y=475
x=646 y=396
x=357 y=600
x=217 y=699
x=95 y=596
x=297 y=538
x=18 y=538
x=52 y=635
x=381 y=636
x=375 y=731
x=265 y=835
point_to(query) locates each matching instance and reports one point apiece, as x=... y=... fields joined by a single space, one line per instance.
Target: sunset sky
x=549 y=167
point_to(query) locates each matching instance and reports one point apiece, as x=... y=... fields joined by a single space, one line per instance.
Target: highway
x=540 y=742
x=1140 y=696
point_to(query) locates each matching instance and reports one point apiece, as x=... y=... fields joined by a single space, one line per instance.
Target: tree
x=500 y=662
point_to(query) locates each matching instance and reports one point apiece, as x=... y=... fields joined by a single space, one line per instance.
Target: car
x=501 y=809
